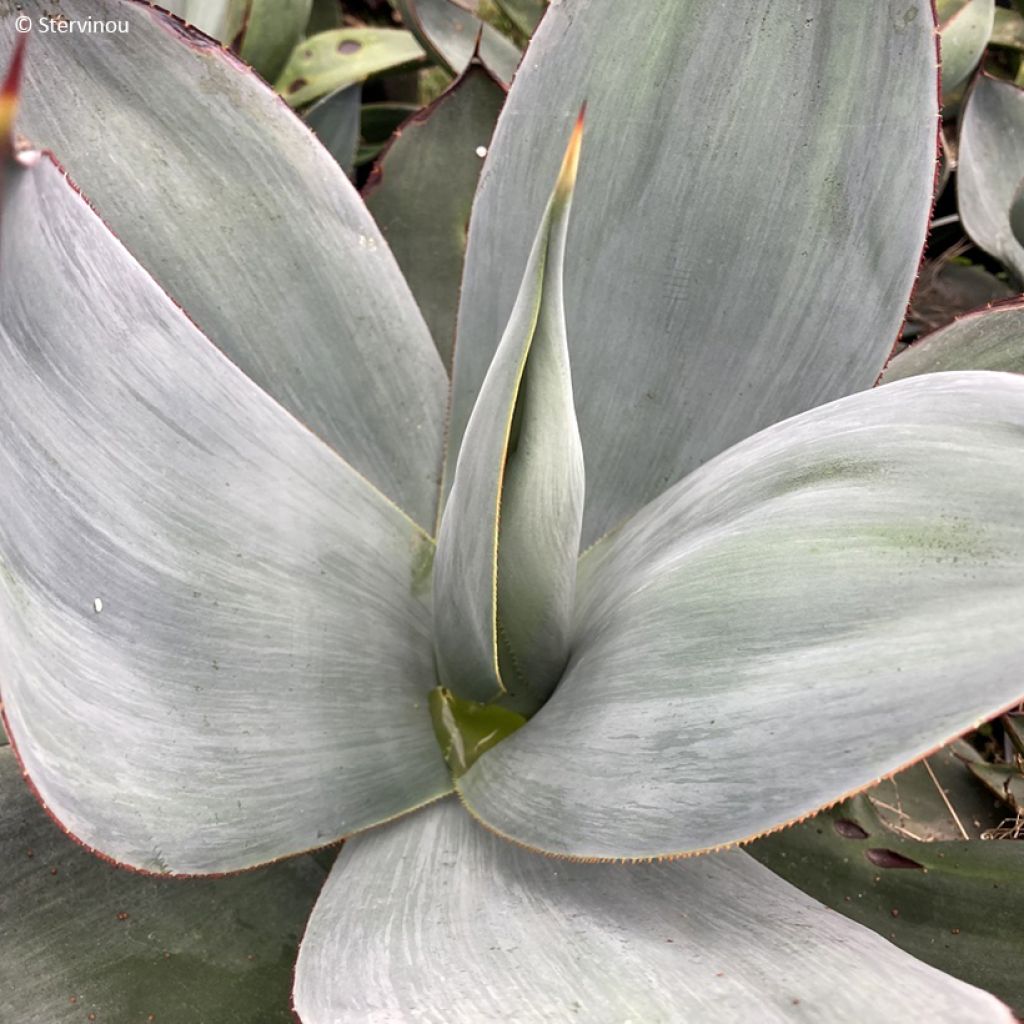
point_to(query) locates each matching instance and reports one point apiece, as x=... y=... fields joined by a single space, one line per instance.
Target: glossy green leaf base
x=466 y=729
x=84 y=941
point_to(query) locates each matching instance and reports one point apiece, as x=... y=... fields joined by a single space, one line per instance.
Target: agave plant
x=670 y=580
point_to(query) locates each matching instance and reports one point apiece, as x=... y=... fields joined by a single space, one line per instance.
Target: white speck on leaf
x=481 y=151
x=97 y=605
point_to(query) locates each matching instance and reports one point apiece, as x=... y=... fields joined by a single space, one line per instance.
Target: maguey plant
x=652 y=572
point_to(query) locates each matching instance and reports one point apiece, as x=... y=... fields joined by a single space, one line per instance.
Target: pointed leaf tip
x=9 y=92
x=571 y=160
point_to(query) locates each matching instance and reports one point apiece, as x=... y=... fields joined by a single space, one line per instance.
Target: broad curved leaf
x=432 y=919
x=342 y=57
x=421 y=192
x=814 y=587
x=244 y=219
x=991 y=164
x=505 y=573
x=989 y=339
x=703 y=305
x=964 y=30
x=960 y=910
x=216 y=635
x=450 y=32
x=84 y=941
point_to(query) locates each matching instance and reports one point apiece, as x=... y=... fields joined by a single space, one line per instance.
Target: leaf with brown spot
x=959 y=909
x=341 y=57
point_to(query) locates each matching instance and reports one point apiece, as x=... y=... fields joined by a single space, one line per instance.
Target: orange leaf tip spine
x=9 y=95
x=571 y=160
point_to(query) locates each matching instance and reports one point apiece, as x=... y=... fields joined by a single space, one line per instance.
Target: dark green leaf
x=961 y=911
x=84 y=941
x=325 y=15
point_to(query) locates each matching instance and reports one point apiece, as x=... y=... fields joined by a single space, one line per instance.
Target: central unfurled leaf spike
x=505 y=570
